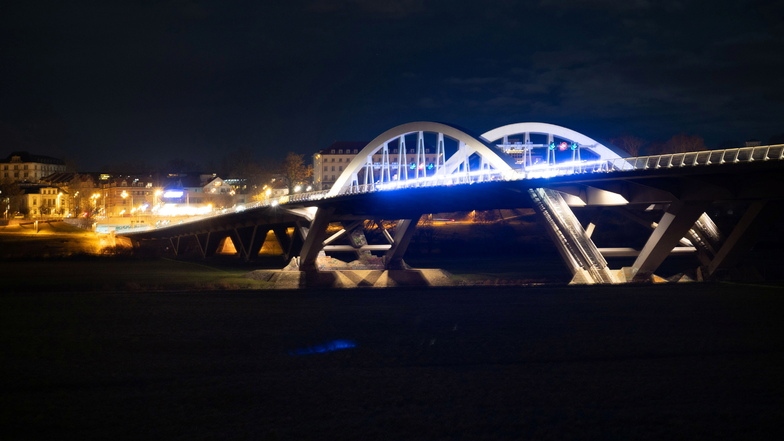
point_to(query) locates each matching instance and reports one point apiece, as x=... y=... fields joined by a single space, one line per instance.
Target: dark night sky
x=115 y=81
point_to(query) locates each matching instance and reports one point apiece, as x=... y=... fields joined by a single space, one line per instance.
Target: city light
x=173 y=194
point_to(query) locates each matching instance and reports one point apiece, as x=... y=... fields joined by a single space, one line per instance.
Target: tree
x=631 y=144
x=241 y=164
x=10 y=197
x=684 y=143
x=294 y=171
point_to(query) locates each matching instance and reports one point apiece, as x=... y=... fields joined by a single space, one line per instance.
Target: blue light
x=173 y=193
x=334 y=345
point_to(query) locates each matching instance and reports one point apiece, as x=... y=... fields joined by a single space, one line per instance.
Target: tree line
x=680 y=143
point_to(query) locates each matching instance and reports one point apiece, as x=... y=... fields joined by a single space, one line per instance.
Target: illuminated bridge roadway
x=549 y=168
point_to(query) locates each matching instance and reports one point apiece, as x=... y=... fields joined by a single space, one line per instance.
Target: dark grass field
x=686 y=361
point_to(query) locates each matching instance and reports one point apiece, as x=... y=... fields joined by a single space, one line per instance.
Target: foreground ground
x=689 y=361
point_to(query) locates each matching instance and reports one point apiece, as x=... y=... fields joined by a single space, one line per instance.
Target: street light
x=94 y=198
x=125 y=195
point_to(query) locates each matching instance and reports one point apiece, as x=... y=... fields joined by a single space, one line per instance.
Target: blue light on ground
x=334 y=345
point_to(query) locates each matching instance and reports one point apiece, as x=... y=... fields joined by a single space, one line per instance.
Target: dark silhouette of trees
x=294 y=172
x=241 y=164
x=680 y=143
x=684 y=143
x=630 y=143
x=10 y=198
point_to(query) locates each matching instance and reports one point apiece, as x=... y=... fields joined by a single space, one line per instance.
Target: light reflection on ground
x=334 y=345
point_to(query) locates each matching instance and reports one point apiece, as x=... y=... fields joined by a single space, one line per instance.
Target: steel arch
x=471 y=145
x=604 y=152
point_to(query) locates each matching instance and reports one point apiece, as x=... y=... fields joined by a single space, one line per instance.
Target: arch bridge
x=429 y=167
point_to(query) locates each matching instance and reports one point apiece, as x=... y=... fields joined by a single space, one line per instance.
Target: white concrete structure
x=400 y=156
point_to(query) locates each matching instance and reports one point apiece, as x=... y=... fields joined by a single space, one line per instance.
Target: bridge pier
x=404 y=232
x=314 y=240
x=744 y=235
x=208 y=242
x=674 y=225
x=578 y=251
x=248 y=241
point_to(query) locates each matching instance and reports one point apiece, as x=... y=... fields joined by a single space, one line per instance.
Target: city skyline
x=155 y=82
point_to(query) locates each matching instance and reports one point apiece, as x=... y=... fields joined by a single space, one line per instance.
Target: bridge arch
x=365 y=174
x=602 y=151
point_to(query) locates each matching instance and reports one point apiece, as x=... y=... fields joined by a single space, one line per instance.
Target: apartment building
x=26 y=167
x=329 y=163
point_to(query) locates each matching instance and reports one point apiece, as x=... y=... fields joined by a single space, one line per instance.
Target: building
x=45 y=201
x=126 y=196
x=329 y=163
x=26 y=167
x=186 y=194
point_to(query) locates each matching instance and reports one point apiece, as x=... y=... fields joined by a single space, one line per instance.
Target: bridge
x=552 y=169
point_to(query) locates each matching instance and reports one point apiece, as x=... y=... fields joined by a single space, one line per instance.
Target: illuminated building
x=26 y=167
x=330 y=162
x=45 y=201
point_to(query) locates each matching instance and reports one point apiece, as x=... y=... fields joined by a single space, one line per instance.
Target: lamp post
x=94 y=198
x=58 y=203
x=124 y=195
x=74 y=205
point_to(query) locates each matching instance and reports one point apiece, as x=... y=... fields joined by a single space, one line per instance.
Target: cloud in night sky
x=193 y=79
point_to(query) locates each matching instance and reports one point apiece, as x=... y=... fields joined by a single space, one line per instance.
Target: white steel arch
x=446 y=169
x=604 y=152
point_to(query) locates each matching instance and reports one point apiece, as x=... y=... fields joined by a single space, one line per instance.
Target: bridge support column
x=404 y=232
x=248 y=241
x=676 y=222
x=291 y=244
x=283 y=239
x=314 y=241
x=756 y=217
x=705 y=237
x=573 y=243
x=175 y=244
x=208 y=242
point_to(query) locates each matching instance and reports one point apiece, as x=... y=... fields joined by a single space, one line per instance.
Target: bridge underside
x=673 y=209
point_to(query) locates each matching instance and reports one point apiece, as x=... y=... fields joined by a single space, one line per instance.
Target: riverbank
x=692 y=361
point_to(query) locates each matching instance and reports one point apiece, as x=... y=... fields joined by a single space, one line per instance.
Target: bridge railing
x=691 y=159
x=431 y=181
